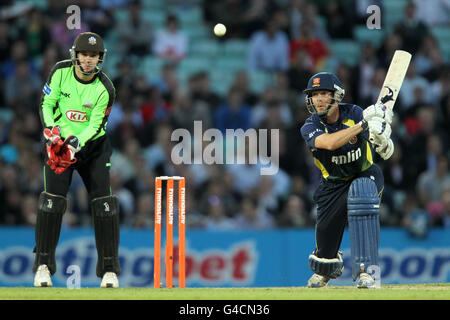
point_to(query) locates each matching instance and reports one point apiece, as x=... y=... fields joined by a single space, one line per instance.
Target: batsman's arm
x=50 y=96
x=333 y=141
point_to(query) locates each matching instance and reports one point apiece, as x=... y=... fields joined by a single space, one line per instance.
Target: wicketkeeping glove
x=61 y=154
x=70 y=146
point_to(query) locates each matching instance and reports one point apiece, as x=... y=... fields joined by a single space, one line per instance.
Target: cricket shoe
x=317 y=281
x=109 y=280
x=43 y=277
x=365 y=281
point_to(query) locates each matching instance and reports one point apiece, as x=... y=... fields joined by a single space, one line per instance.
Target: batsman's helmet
x=323 y=81
x=88 y=41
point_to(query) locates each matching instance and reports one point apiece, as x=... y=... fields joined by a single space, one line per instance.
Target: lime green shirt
x=80 y=108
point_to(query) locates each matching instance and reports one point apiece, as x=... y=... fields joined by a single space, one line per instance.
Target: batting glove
x=387 y=151
x=378 y=111
x=379 y=131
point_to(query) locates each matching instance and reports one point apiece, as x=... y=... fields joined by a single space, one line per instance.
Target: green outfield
x=388 y=292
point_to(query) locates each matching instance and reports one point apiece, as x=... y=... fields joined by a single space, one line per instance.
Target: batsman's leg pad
x=105 y=212
x=51 y=209
x=363 y=207
x=331 y=268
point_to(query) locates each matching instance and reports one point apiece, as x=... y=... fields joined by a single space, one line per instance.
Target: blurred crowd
x=286 y=40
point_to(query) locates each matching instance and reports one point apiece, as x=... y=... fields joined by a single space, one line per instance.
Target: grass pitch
x=387 y=292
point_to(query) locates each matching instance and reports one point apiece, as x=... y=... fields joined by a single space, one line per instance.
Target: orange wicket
x=169 y=231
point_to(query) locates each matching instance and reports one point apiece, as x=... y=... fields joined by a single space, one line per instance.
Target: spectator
x=271 y=113
x=6 y=41
x=431 y=182
x=338 y=23
x=159 y=152
x=242 y=82
x=365 y=71
x=417 y=161
x=254 y=16
x=234 y=113
x=143 y=217
x=314 y=46
x=200 y=88
x=433 y=12
x=35 y=33
x=296 y=10
x=126 y=119
x=300 y=70
x=99 y=19
x=443 y=219
x=135 y=33
x=170 y=43
x=216 y=218
x=19 y=53
x=154 y=108
x=23 y=87
x=168 y=82
x=29 y=209
x=411 y=29
x=268 y=49
x=416 y=220
x=127 y=202
x=385 y=52
x=294 y=214
x=412 y=82
x=252 y=217
x=126 y=74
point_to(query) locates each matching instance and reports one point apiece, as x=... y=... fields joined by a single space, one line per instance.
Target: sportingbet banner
x=223 y=259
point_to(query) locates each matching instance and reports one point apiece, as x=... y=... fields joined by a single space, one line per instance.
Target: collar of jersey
x=83 y=81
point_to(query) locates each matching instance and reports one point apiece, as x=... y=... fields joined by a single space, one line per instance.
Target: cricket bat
x=394 y=78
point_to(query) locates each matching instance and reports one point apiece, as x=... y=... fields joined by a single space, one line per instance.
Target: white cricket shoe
x=109 y=280
x=43 y=277
x=317 y=281
x=365 y=281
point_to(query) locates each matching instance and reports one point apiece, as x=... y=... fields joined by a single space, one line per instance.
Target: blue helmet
x=323 y=81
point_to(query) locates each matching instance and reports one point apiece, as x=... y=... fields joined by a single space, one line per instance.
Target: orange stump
x=169 y=258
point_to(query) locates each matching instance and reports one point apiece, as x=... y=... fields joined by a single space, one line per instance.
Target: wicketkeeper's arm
x=98 y=119
x=50 y=97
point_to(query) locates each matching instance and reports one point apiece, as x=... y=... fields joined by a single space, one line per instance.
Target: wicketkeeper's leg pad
x=363 y=207
x=105 y=212
x=331 y=268
x=51 y=209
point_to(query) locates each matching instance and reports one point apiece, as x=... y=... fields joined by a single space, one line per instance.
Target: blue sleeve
x=358 y=116
x=310 y=131
x=357 y=113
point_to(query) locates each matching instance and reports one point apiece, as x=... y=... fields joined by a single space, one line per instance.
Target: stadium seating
x=362 y=34
x=442 y=34
x=346 y=51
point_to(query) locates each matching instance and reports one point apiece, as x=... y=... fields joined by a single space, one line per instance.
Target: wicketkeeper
x=339 y=135
x=74 y=110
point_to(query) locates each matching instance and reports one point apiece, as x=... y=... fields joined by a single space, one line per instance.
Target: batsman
x=74 y=110
x=338 y=135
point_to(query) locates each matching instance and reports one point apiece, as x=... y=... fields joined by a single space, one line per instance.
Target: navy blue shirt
x=345 y=162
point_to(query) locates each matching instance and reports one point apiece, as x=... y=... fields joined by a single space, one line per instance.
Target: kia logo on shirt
x=76 y=116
